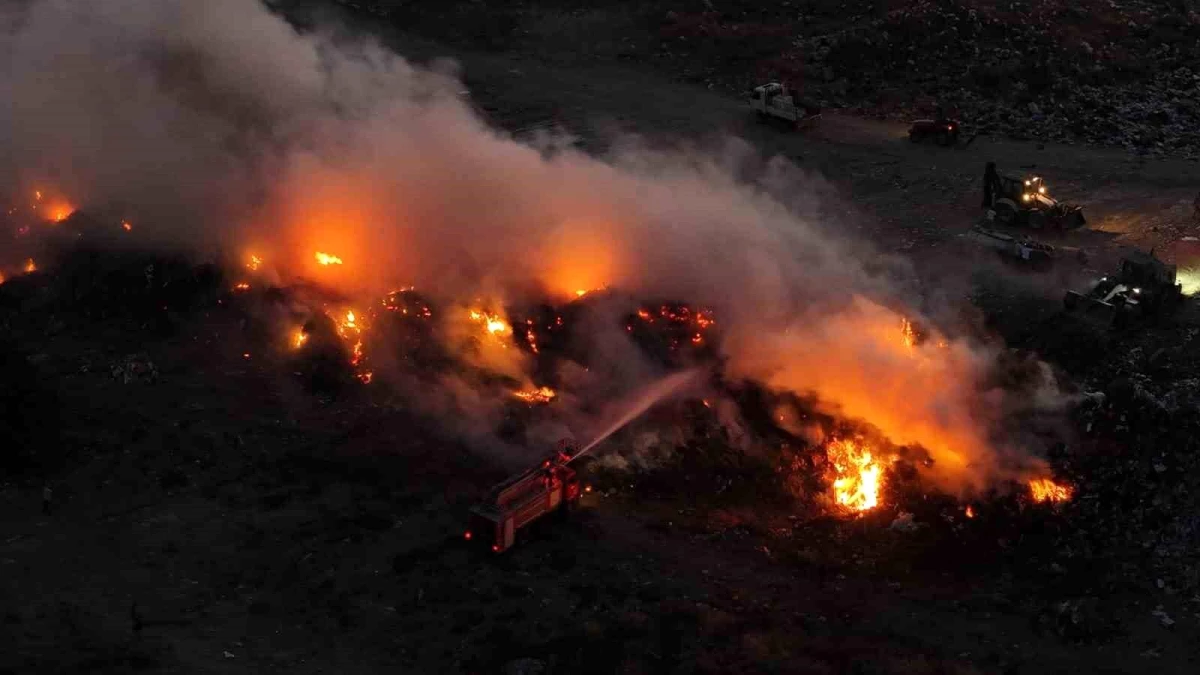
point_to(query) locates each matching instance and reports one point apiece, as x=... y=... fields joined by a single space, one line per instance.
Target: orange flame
x=30 y=266
x=970 y=512
x=254 y=263
x=859 y=475
x=907 y=333
x=492 y=322
x=327 y=259
x=299 y=338
x=540 y=395
x=242 y=287
x=126 y=225
x=1 y=277
x=1046 y=490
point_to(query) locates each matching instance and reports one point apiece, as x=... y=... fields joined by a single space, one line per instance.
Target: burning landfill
x=516 y=300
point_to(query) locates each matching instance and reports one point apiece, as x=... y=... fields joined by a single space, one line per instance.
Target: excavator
x=1023 y=200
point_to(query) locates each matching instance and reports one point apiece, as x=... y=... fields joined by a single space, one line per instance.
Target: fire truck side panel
x=508 y=535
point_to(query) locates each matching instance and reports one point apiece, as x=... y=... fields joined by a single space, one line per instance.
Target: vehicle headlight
x=1137 y=290
x=1025 y=196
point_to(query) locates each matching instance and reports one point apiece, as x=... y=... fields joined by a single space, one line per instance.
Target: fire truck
x=551 y=486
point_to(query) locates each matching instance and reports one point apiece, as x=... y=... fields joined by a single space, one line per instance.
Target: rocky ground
x=1095 y=71
x=212 y=515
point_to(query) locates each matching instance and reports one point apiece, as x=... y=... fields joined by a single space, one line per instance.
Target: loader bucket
x=1073 y=219
x=1090 y=308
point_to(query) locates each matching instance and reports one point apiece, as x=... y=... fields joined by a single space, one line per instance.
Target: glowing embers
x=858 y=474
x=673 y=325
x=1045 y=490
x=54 y=210
x=350 y=329
x=406 y=303
x=539 y=395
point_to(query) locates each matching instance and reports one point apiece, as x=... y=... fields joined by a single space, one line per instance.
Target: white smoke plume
x=215 y=123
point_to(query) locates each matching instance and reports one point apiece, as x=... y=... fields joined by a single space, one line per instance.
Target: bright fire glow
x=126 y=226
x=1046 y=490
x=254 y=263
x=492 y=323
x=540 y=395
x=299 y=338
x=970 y=512
x=909 y=335
x=30 y=266
x=859 y=475
x=327 y=259
x=242 y=287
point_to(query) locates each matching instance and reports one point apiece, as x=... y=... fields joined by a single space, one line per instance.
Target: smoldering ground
x=217 y=124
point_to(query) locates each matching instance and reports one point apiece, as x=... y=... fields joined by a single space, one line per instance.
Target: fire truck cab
x=519 y=501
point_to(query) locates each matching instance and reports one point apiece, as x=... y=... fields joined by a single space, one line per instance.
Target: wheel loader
x=1143 y=288
x=1023 y=200
x=776 y=101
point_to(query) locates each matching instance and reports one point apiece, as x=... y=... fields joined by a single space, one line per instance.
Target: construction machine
x=1023 y=200
x=1036 y=254
x=549 y=487
x=943 y=131
x=1144 y=287
x=774 y=100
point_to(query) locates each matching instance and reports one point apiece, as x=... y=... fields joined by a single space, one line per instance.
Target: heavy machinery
x=1144 y=287
x=774 y=100
x=943 y=131
x=551 y=486
x=1023 y=200
x=1036 y=254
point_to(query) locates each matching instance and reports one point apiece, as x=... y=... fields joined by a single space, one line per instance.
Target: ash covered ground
x=224 y=502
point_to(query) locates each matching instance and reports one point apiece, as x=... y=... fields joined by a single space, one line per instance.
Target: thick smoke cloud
x=219 y=125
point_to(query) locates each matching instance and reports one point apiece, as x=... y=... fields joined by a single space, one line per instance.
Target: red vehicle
x=519 y=501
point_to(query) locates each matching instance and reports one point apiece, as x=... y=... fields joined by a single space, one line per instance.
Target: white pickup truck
x=774 y=100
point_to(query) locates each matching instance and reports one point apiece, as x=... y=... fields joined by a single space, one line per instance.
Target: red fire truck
x=519 y=501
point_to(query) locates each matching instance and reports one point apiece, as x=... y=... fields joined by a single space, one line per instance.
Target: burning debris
x=1045 y=490
x=539 y=395
x=327 y=259
x=493 y=324
x=30 y=266
x=254 y=263
x=858 y=474
x=406 y=303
